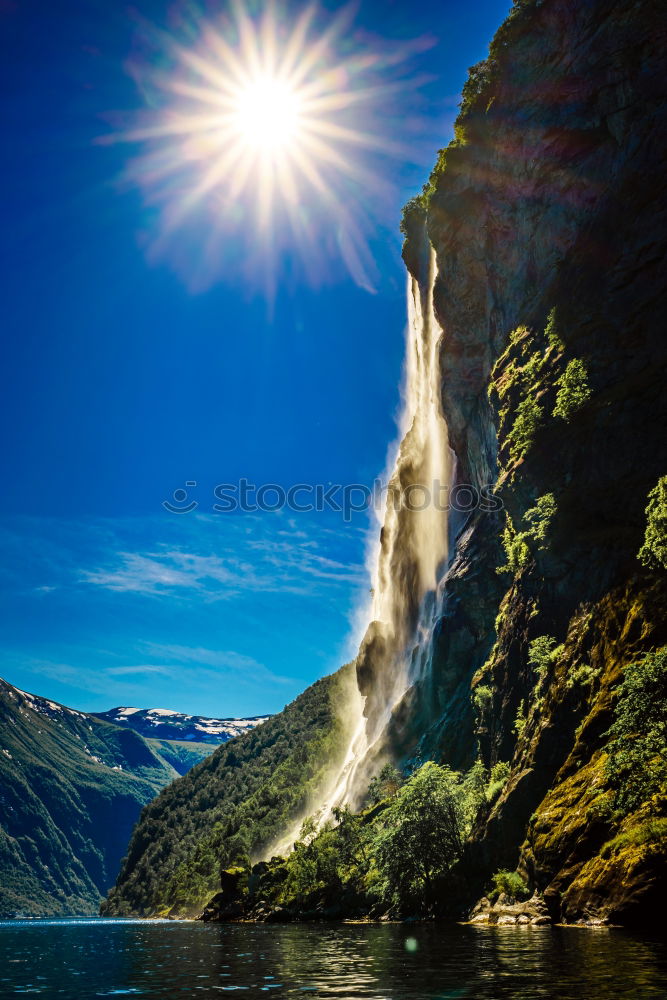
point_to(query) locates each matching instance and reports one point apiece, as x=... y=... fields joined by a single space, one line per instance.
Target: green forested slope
x=71 y=789
x=180 y=754
x=235 y=803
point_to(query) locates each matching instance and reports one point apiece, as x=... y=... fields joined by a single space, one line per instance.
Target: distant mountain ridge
x=72 y=787
x=165 y=724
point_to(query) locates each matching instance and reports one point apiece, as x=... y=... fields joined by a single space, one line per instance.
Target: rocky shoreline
x=507 y=911
x=233 y=904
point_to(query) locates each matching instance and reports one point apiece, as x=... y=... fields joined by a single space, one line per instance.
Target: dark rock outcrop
x=509 y=912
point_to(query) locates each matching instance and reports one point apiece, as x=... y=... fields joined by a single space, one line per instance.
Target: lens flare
x=263 y=143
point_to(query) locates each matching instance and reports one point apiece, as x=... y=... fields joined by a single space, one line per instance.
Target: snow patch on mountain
x=166 y=724
x=43 y=706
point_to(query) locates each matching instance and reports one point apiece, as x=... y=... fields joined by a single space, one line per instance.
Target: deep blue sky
x=125 y=373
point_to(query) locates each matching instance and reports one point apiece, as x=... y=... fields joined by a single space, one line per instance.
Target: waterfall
x=412 y=553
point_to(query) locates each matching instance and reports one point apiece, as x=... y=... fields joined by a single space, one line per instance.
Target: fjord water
x=163 y=960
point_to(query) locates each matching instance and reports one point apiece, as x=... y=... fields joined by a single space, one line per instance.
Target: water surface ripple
x=169 y=960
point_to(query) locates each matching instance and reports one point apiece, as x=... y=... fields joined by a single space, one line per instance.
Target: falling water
x=412 y=552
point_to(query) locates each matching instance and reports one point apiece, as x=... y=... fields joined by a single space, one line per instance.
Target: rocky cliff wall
x=547 y=216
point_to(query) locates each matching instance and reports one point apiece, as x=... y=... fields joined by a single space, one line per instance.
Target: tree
x=352 y=839
x=637 y=763
x=510 y=884
x=573 y=390
x=528 y=419
x=421 y=835
x=653 y=552
x=312 y=867
x=384 y=784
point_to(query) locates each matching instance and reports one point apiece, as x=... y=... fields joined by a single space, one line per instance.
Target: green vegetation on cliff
x=637 y=762
x=653 y=552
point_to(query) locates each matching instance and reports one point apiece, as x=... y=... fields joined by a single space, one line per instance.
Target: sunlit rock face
x=571 y=139
x=554 y=198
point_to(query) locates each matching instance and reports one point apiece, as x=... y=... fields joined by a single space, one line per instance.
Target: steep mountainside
x=547 y=215
x=540 y=243
x=238 y=802
x=71 y=789
x=163 y=724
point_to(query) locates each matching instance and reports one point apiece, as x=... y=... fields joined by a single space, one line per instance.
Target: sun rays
x=261 y=130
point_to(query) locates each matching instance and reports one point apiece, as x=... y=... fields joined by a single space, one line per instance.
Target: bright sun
x=268 y=114
x=261 y=127
x=264 y=111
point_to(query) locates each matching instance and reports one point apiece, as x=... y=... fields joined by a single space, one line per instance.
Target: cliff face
x=547 y=216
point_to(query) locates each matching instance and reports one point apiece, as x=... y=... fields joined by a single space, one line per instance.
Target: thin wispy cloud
x=140 y=574
x=287 y=561
x=139 y=670
x=226 y=660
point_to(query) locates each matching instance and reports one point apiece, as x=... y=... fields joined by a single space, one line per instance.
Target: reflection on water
x=83 y=959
